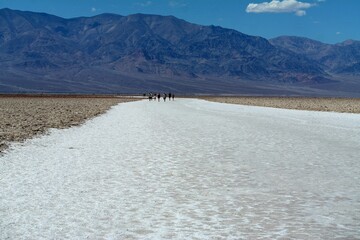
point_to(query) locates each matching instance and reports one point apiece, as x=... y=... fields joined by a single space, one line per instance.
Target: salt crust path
x=188 y=169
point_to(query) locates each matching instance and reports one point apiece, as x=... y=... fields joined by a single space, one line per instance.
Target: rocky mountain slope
x=341 y=58
x=136 y=53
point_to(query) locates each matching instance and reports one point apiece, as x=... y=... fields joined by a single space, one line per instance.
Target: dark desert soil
x=348 y=105
x=26 y=116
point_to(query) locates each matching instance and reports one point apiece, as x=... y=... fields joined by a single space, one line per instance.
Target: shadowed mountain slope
x=336 y=58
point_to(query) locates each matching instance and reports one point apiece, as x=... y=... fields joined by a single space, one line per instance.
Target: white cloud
x=300 y=13
x=338 y=33
x=174 y=4
x=144 y=4
x=280 y=6
x=93 y=9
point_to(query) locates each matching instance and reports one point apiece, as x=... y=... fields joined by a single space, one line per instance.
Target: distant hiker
x=150 y=96
x=164 y=97
x=158 y=96
x=173 y=96
x=169 y=96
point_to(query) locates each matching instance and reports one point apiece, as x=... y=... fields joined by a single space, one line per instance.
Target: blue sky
x=329 y=21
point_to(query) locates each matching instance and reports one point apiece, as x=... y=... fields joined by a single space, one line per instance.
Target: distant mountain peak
x=348 y=42
x=107 y=15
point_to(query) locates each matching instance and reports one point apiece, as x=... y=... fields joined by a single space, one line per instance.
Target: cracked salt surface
x=187 y=169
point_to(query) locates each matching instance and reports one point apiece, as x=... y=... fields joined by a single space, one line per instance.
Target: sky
x=329 y=21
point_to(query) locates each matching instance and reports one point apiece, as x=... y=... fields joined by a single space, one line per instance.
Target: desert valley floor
x=187 y=169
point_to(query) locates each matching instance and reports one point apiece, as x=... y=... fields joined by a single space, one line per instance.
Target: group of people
x=153 y=96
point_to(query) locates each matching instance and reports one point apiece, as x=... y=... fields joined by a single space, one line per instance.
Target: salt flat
x=187 y=169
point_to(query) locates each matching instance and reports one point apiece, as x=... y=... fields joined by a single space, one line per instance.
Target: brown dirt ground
x=349 y=105
x=24 y=117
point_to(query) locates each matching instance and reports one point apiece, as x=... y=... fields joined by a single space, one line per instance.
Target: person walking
x=164 y=97
x=158 y=96
x=173 y=96
x=169 y=96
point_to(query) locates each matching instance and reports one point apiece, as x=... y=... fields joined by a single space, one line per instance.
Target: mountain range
x=109 y=53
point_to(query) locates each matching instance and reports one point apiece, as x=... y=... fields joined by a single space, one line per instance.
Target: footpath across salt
x=187 y=169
